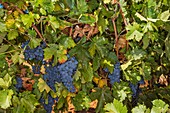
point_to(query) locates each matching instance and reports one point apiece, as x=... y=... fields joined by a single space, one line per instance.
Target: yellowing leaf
x=126 y=65
x=5 y=98
x=43 y=86
x=10 y=23
x=106 y=1
x=102 y=82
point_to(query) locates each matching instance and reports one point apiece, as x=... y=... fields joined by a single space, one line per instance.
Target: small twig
x=125 y=22
x=115 y=31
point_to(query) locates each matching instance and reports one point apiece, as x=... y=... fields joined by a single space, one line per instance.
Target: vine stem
x=125 y=22
x=116 y=35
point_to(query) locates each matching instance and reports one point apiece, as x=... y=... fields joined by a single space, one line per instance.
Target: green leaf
x=5 y=98
x=121 y=91
x=27 y=19
x=141 y=17
x=15 y=58
x=103 y=95
x=61 y=102
x=54 y=22
x=139 y=109
x=133 y=32
x=12 y=34
x=67 y=42
x=2 y=27
x=96 y=62
x=126 y=65
x=159 y=106
x=6 y=81
x=43 y=86
x=165 y=15
x=81 y=101
x=3 y=48
x=87 y=73
x=28 y=101
x=87 y=19
x=34 y=42
x=138 y=53
x=97 y=45
x=115 y=107
x=145 y=41
x=167 y=49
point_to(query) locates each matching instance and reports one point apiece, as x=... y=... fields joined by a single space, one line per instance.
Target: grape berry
x=115 y=76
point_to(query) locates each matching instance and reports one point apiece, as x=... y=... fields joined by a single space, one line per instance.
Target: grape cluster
x=48 y=106
x=135 y=88
x=61 y=73
x=115 y=76
x=66 y=71
x=19 y=83
x=36 y=54
x=36 y=69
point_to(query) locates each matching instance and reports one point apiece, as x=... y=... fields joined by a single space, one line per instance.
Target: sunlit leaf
x=43 y=86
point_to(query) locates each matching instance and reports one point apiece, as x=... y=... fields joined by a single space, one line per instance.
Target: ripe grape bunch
x=61 y=73
x=115 y=76
x=36 y=54
x=66 y=71
x=48 y=106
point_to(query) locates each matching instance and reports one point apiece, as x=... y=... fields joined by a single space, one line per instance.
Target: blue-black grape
x=135 y=88
x=36 y=69
x=48 y=106
x=36 y=54
x=19 y=83
x=66 y=71
x=77 y=39
x=115 y=76
x=61 y=73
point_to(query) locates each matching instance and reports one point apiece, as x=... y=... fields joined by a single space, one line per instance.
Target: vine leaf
x=159 y=106
x=139 y=109
x=27 y=19
x=2 y=27
x=134 y=32
x=34 y=42
x=97 y=45
x=115 y=107
x=165 y=15
x=43 y=86
x=3 y=48
x=6 y=81
x=12 y=34
x=59 y=52
x=67 y=42
x=87 y=19
x=102 y=95
x=54 y=22
x=87 y=73
x=5 y=98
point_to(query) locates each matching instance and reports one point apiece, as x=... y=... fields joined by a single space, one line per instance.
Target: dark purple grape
x=19 y=83
x=115 y=76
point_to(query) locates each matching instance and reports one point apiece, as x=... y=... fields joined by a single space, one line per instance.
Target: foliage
x=120 y=49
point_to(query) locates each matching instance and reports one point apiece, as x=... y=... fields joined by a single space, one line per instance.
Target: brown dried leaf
x=163 y=80
x=78 y=32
